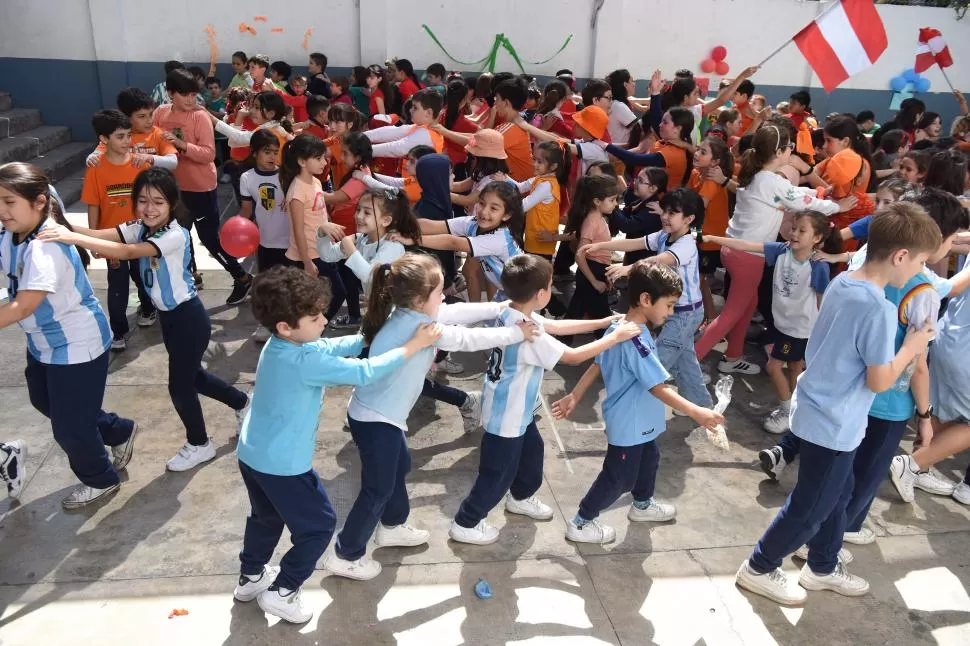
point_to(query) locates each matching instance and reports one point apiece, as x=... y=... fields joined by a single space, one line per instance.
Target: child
x=633 y=410
x=13 y=471
x=594 y=201
x=889 y=192
x=279 y=74
x=866 y=121
x=359 y=93
x=240 y=75
x=257 y=66
x=266 y=111
x=914 y=166
x=319 y=82
x=453 y=117
x=298 y=100
x=159 y=93
x=340 y=91
x=893 y=144
x=160 y=247
x=798 y=283
x=190 y=131
x=406 y=294
x=712 y=152
x=757 y=218
x=307 y=208
x=488 y=163
x=107 y=192
x=148 y=144
x=683 y=209
x=408 y=182
x=849 y=358
x=395 y=142
x=379 y=90
x=216 y=103
x=67 y=336
x=510 y=465
x=408 y=82
x=318 y=124
x=589 y=125
x=549 y=113
x=800 y=113
x=541 y=204
x=434 y=77
x=278 y=436
x=343 y=120
x=640 y=214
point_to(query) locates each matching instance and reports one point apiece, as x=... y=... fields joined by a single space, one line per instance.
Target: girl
x=408 y=182
x=343 y=120
x=307 y=208
x=847 y=168
x=640 y=215
x=67 y=335
x=266 y=112
x=729 y=121
x=761 y=200
x=493 y=236
x=947 y=171
x=548 y=115
x=914 y=166
x=541 y=205
x=889 y=191
x=798 y=284
x=408 y=81
x=594 y=201
x=621 y=117
x=893 y=144
x=405 y=294
x=929 y=127
x=161 y=246
x=454 y=119
x=359 y=92
x=488 y=164
x=674 y=245
x=910 y=111
x=712 y=152
x=379 y=90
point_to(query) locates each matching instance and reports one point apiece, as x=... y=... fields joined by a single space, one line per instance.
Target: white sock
x=914 y=465
x=786 y=405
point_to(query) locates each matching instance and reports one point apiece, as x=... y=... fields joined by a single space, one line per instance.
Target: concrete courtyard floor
x=113 y=573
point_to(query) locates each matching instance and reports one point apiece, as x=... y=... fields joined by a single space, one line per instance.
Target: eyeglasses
x=607 y=97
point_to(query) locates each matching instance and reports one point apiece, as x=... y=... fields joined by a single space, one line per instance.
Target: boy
x=279 y=74
x=318 y=123
x=258 y=65
x=159 y=94
x=394 y=141
x=107 y=192
x=742 y=103
x=511 y=457
x=190 y=131
x=434 y=77
x=317 y=68
x=278 y=435
x=799 y=106
x=148 y=144
x=867 y=122
x=240 y=76
x=298 y=99
x=216 y=103
x=590 y=125
x=636 y=392
x=12 y=469
x=849 y=358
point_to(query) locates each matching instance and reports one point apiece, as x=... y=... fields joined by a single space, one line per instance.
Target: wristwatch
x=926 y=415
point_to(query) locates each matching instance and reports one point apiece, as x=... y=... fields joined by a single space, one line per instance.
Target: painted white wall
x=638 y=34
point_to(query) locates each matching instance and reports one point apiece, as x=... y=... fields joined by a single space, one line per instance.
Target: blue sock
x=579 y=521
x=643 y=504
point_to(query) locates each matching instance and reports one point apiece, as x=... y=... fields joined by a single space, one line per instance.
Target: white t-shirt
x=762 y=203
x=589 y=153
x=684 y=250
x=621 y=119
x=795 y=288
x=263 y=189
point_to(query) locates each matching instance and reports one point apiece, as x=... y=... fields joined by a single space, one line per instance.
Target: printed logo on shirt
x=154 y=264
x=318 y=202
x=494 y=370
x=119 y=194
x=267 y=196
x=789 y=281
x=641 y=347
x=141 y=149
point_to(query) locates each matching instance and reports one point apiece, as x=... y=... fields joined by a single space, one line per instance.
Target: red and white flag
x=931 y=50
x=843 y=41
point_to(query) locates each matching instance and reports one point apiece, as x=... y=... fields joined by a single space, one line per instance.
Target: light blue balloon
x=898 y=83
x=923 y=84
x=910 y=75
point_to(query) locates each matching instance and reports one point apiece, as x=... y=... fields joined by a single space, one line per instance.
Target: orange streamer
x=306 y=37
x=260 y=19
x=277 y=30
x=243 y=28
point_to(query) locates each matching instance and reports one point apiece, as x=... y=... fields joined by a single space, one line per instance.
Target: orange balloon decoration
x=239 y=237
x=708 y=65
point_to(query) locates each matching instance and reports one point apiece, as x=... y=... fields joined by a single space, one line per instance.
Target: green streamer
x=489 y=60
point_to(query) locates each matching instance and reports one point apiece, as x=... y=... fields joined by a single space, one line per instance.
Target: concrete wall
x=70 y=57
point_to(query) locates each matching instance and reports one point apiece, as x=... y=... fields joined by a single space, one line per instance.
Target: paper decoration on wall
x=213 y=45
x=898 y=98
x=500 y=42
x=243 y=28
x=260 y=19
x=277 y=30
x=306 y=37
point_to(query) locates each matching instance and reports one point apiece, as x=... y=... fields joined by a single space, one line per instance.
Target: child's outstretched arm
x=625 y=244
x=446 y=242
x=703 y=416
x=568 y=327
x=564 y=407
x=960 y=281
x=432 y=227
x=455 y=338
x=455 y=137
x=734 y=243
x=623 y=332
x=469 y=313
x=544 y=135
x=107 y=243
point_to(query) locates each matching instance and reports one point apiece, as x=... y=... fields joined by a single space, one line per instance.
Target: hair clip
x=391 y=194
x=386 y=266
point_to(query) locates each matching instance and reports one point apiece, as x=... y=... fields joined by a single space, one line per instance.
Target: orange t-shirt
x=542 y=217
x=863 y=207
x=337 y=168
x=675 y=159
x=108 y=187
x=519 y=150
x=149 y=143
x=411 y=188
x=318 y=131
x=716 y=214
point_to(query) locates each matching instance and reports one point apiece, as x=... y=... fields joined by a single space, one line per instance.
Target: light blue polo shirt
x=630 y=369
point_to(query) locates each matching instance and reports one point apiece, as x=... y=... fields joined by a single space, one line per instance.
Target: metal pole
x=786 y=43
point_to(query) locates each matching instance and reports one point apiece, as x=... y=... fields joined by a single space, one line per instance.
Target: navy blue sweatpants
x=71 y=396
x=507 y=465
x=871 y=464
x=625 y=468
x=118 y=278
x=300 y=504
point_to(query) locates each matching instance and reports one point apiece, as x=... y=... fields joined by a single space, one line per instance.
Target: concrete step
x=6 y=102
x=69 y=188
x=64 y=160
x=30 y=144
x=18 y=120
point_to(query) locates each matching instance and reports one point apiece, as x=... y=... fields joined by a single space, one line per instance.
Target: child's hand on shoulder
x=57 y=233
x=425 y=335
x=920 y=338
x=348 y=246
x=141 y=160
x=587 y=249
x=358 y=175
x=713 y=173
x=530 y=331
x=609 y=320
x=847 y=203
x=656 y=209
x=394 y=236
x=564 y=407
x=615 y=272
x=707 y=418
x=93 y=159
x=626 y=331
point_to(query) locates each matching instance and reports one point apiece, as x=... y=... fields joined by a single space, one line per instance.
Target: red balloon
x=722 y=68
x=719 y=53
x=708 y=65
x=239 y=237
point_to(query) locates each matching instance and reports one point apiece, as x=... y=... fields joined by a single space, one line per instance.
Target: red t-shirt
x=343 y=214
x=407 y=88
x=241 y=153
x=298 y=103
x=456 y=152
x=377 y=94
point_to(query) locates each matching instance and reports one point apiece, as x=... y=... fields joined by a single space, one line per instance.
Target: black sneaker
x=240 y=290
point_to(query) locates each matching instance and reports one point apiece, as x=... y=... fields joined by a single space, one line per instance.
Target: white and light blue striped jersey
x=69 y=325
x=514 y=376
x=684 y=250
x=166 y=276
x=492 y=248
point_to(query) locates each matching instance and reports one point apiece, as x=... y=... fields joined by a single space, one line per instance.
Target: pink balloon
x=719 y=53
x=708 y=65
x=239 y=237
x=722 y=68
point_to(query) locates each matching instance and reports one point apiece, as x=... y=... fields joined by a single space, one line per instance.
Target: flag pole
x=948 y=81
x=789 y=41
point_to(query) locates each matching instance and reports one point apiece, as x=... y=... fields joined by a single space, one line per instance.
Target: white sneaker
x=242 y=412
x=249 y=588
x=13 y=456
x=903 y=476
x=845 y=556
x=471 y=412
x=119 y=344
x=261 y=334
x=285 y=604
x=191 y=456
x=777 y=421
x=840 y=581
x=531 y=507
x=122 y=453
x=402 y=535
x=480 y=534
x=935 y=483
x=363 y=569
x=864 y=536
x=774 y=585
x=592 y=531
x=772 y=461
x=740 y=366
x=146 y=320
x=705 y=377
x=450 y=367
x=655 y=512
x=961 y=493
x=83 y=495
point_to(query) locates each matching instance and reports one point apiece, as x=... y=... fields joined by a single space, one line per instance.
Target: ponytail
x=767 y=141
x=822 y=226
x=558 y=155
x=588 y=189
x=394 y=203
x=406 y=282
